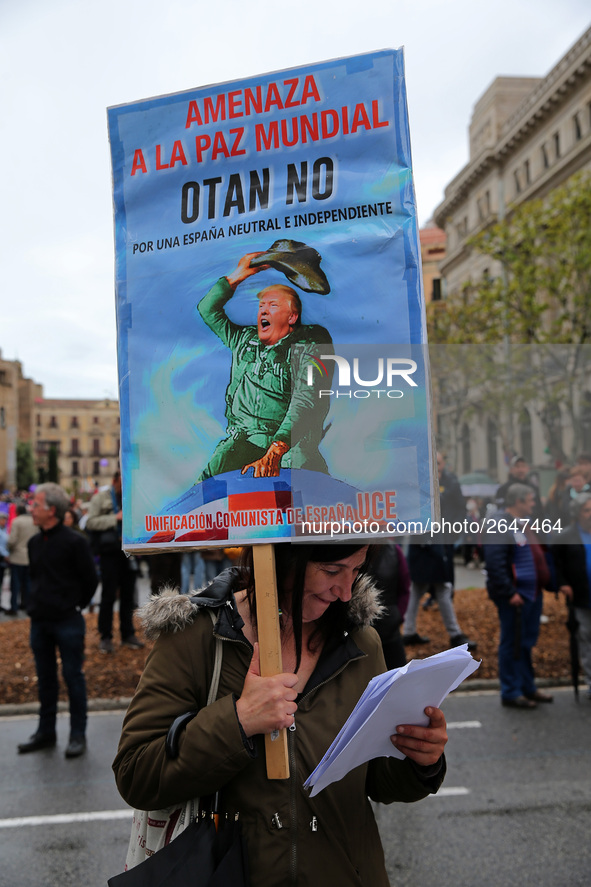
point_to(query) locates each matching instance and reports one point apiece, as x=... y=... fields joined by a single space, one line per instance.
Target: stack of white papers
x=396 y=697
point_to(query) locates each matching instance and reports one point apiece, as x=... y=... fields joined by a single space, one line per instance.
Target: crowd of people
x=330 y=596
x=526 y=544
x=58 y=551
x=99 y=520
x=553 y=513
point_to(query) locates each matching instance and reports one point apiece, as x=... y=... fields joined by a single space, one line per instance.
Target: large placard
x=270 y=315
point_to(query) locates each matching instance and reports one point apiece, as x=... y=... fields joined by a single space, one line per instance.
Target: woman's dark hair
x=291 y=560
x=74 y=514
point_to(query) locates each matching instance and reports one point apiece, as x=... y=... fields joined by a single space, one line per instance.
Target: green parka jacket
x=291 y=838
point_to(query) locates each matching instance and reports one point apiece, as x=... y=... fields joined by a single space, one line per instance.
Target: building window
x=436 y=292
x=578 y=127
x=96 y=446
x=53 y=422
x=527 y=171
x=586 y=420
x=38 y=420
x=466 y=449
x=2 y=417
x=525 y=436
x=95 y=420
x=462 y=227
x=545 y=158
x=483 y=206
x=552 y=419
x=491 y=446
x=75 y=450
x=44 y=446
x=75 y=470
x=74 y=422
x=556 y=140
x=96 y=468
x=517 y=181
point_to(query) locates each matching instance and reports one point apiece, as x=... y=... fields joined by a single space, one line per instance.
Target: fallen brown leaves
x=116 y=675
x=108 y=676
x=477 y=617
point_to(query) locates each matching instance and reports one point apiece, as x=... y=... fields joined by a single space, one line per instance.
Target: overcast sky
x=63 y=62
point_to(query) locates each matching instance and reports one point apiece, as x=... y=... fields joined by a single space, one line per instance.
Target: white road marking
x=65 y=818
x=104 y=815
x=454 y=791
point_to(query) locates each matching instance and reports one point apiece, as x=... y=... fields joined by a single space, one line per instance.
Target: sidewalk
x=475 y=613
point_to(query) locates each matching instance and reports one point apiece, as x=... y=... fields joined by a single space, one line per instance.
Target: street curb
x=493 y=684
x=122 y=702
x=32 y=708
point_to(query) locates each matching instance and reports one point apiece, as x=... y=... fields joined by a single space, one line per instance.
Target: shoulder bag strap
x=179 y=724
x=217 y=663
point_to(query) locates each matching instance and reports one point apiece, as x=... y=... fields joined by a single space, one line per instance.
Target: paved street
x=514 y=809
x=45 y=784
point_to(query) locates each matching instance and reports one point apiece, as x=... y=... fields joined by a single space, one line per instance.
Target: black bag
x=104 y=541
x=109 y=541
x=200 y=856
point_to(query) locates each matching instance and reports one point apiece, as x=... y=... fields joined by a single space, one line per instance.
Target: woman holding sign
x=330 y=652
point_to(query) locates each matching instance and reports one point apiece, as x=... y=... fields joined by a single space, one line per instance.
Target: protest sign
x=270 y=315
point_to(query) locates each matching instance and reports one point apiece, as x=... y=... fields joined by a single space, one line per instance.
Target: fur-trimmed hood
x=171 y=611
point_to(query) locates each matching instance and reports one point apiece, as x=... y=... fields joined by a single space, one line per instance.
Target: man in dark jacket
x=453 y=511
x=572 y=560
x=431 y=569
x=517 y=573
x=519 y=474
x=63 y=581
x=451 y=498
x=389 y=570
x=118 y=575
x=431 y=564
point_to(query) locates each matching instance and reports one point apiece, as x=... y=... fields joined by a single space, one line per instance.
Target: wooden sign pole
x=265 y=584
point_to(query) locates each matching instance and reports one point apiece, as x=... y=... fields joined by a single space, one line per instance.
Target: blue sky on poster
x=62 y=63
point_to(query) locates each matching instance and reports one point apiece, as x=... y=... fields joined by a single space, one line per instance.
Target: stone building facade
x=527 y=136
x=8 y=422
x=85 y=434
x=17 y=404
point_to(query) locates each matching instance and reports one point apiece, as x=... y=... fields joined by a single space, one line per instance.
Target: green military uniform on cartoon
x=268 y=398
